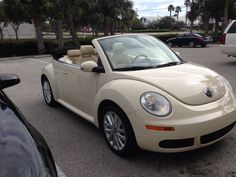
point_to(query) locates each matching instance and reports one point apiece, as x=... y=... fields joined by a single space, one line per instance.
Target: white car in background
x=228 y=40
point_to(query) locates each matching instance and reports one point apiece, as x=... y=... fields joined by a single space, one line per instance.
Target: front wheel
x=118 y=131
x=192 y=44
x=170 y=44
x=47 y=92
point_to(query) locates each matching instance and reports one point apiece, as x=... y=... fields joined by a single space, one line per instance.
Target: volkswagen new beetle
x=141 y=94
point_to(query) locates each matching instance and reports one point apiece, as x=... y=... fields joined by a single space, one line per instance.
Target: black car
x=23 y=151
x=187 y=39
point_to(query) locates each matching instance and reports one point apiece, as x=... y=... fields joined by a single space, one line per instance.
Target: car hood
x=185 y=82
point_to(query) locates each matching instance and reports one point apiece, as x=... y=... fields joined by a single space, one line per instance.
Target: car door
x=77 y=88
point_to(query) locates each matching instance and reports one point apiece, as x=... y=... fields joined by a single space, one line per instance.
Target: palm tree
x=170 y=9
x=187 y=3
x=114 y=12
x=193 y=14
x=36 y=10
x=177 y=10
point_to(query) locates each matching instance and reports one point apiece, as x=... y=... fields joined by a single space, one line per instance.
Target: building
x=148 y=20
x=26 y=31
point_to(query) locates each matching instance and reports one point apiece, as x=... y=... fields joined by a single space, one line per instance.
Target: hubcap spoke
x=114 y=131
x=47 y=92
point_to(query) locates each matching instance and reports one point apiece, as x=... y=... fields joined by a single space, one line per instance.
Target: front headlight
x=155 y=104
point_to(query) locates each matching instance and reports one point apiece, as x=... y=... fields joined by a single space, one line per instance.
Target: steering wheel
x=142 y=58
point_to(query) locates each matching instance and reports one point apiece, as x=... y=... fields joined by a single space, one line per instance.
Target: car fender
x=49 y=72
x=123 y=92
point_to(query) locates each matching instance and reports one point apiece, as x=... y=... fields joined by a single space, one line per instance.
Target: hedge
x=10 y=48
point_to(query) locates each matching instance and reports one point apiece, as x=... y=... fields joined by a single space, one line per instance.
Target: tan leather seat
x=74 y=55
x=118 y=56
x=87 y=52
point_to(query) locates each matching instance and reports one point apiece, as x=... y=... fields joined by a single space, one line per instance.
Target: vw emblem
x=209 y=92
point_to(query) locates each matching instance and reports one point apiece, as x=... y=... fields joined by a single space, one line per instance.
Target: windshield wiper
x=133 y=68
x=169 y=64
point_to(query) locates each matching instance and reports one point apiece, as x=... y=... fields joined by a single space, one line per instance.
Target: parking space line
x=233 y=82
x=60 y=172
x=40 y=61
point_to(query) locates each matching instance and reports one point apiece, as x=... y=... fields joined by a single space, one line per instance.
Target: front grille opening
x=182 y=143
x=216 y=135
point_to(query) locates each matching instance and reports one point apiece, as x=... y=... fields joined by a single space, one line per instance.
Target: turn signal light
x=159 y=128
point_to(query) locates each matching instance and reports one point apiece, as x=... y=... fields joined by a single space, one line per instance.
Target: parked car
x=228 y=40
x=141 y=94
x=187 y=39
x=23 y=151
x=208 y=38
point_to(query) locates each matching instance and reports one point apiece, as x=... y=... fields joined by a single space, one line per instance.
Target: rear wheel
x=192 y=44
x=118 y=131
x=47 y=92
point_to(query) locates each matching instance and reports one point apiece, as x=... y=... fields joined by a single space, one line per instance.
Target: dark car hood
x=18 y=152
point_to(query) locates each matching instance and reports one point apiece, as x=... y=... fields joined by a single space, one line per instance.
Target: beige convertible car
x=141 y=94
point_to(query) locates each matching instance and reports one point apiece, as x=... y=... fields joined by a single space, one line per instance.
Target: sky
x=157 y=7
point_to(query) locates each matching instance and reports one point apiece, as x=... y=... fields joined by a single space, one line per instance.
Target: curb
x=25 y=57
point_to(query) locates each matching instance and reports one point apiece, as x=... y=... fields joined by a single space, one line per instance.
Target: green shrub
x=150 y=31
x=11 y=48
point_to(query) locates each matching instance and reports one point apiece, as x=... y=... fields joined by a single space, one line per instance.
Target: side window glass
x=232 y=29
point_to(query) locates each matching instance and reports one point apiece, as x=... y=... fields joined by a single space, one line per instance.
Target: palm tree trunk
x=191 y=28
x=39 y=35
x=106 y=27
x=59 y=33
x=73 y=29
x=1 y=33
x=226 y=12
x=206 y=24
x=17 y=36
x=186 y=18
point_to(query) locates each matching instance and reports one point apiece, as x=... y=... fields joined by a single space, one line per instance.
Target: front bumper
x=194 y=126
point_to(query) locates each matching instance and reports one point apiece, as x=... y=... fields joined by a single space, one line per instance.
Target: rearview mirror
x=88 y=66
x=8 y=80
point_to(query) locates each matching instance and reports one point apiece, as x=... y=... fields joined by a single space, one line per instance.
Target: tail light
x=222 y=38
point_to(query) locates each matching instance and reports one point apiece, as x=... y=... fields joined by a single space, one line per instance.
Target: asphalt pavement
x=79 y=148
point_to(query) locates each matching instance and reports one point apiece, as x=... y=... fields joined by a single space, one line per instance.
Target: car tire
x=120 y=135
x=170 y=44
x=203 y=45
x=47 y=93
x=192 y=44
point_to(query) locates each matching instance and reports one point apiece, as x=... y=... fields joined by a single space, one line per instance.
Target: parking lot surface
x=79 y=148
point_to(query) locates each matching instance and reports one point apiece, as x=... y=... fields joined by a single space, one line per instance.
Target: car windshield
x=136 y=52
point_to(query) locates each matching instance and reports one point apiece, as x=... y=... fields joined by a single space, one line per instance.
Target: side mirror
x=8 y=80
x=177 y=53
x=88 y=66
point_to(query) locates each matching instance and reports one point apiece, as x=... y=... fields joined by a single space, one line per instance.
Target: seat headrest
x=87 y=50
x=117 y=47
x=74 y=53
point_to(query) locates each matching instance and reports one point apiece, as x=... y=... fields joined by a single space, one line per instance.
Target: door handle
x=64 y=72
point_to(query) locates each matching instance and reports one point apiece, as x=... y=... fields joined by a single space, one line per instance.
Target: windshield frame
x=180 y=60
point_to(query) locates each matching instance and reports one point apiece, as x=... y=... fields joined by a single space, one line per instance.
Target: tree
x=177 y=11
x=193 y=14
x=15 y=14
x=166 y=22
x=36 y=10
x=187 y=3
x=54 y=15
x=3 y=19
x=226 y=13
x=170 y=9
x=115 y=12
